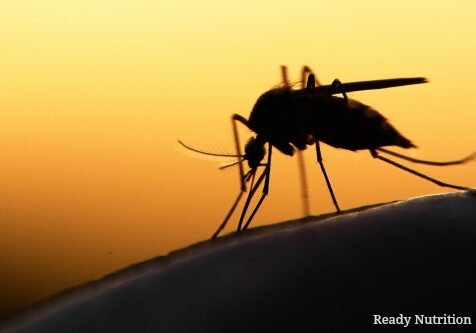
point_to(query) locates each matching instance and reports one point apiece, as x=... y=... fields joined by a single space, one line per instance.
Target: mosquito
x=292 y=119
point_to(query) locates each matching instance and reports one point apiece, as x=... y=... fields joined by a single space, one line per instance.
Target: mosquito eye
x=254 y=152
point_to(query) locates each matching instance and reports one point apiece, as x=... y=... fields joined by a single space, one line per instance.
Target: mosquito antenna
x=231 y=164
x=414 y=160
x=206 y=152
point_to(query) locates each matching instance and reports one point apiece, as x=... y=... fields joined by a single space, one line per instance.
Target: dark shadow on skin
x=331 y=273
x=9 y=310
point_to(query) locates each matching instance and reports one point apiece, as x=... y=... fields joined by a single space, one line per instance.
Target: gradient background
x=95 y=93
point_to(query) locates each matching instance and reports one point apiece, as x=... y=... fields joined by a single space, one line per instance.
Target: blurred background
x=94 y=95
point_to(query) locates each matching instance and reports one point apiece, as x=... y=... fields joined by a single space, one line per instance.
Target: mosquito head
x=254 y=152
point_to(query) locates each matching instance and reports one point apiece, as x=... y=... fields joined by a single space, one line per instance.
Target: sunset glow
x=94 y=95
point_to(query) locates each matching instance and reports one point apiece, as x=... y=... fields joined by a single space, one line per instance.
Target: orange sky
x=94 y=94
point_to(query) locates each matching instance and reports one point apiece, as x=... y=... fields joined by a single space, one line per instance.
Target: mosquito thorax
x=270 y=107
x=254 y=152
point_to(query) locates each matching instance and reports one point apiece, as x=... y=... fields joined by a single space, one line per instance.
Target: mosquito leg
x=308 y=75
x=329 y=186
x=414 y=160
x=267 y=174
x=234 y=119
x=232 y=209
x=248 y=199
x=223 y=224
x=301 y=166
x=337 y=87
x=284 y=76
x=305 y=73
x=416 y=173
x=263 y=195
x=311 y=82
x=304 y=187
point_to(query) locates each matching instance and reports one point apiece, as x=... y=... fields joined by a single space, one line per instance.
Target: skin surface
x=314 y=274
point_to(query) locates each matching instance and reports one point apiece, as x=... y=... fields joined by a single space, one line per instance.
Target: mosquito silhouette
x=288 y=119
